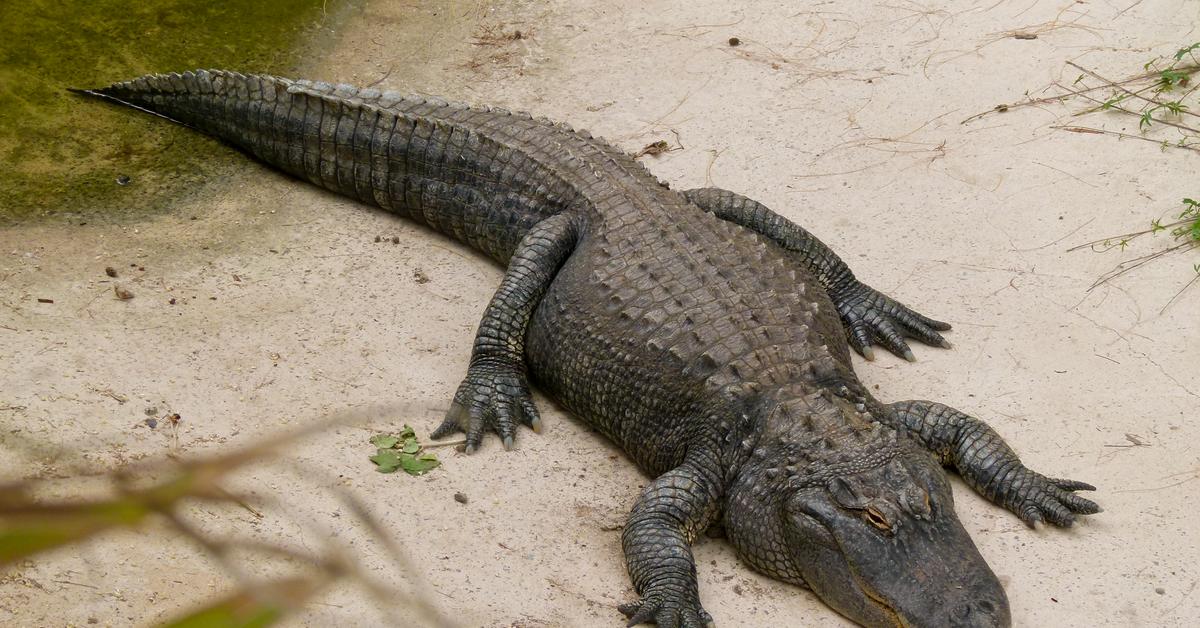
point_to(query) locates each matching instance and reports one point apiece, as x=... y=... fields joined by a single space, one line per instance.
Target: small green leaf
x=1182 y=52
x=1171 y=78
x=384 y=441
x=419 y=465
x=387 y=461
x=407 y=433
x=411 y=446
x=1175 y=106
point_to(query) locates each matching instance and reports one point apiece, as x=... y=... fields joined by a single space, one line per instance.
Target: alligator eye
x=877 y=519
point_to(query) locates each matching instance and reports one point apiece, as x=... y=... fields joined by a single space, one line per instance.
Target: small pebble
x=123 y=180
x=395 y=239
x=151 y=422
x=110 y=271
x=1160 y=590
x=734 y=41
x=460 y=498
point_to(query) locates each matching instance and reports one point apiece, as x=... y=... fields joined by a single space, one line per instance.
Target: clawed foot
x=666 y=613
x=495 y=395
x=871 y=316
x=1036 y=498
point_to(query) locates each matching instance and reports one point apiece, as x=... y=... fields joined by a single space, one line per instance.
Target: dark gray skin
x=700 y=331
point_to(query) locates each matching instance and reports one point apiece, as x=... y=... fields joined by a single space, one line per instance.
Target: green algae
x=64 y=155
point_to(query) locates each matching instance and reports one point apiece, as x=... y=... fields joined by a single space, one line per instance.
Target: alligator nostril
x=979 y=614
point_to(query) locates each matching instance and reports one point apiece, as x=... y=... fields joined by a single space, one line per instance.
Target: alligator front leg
x=988 y=465
x=495 y=393
x=868 y=315
x=657 y=540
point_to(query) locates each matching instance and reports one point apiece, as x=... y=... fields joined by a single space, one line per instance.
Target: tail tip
x=80 y=91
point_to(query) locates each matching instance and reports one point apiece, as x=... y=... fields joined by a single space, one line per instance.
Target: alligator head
x=872 y=531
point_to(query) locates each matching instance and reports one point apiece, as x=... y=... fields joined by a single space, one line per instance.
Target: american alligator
x=700 y=331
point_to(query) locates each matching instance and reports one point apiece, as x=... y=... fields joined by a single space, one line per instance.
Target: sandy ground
x=845 y=119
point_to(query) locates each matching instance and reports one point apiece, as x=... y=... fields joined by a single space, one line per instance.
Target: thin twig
x=1071 y=92
x=1137 y=94
x=1111 y=105
x=1185 y=287
x=1125 y=237
x=1137 y=262
x=1164 y=144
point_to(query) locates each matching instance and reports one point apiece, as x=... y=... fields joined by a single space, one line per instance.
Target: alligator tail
x=445 y=165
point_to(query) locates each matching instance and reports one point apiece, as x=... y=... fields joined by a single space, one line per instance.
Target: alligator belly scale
x=706 y=335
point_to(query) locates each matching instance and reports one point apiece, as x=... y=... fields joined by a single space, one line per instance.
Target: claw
x=1072 y=485
x=1037 y=499
x=870 y=315
x=451 y=423
x=494 y=397
x=1032 y=517
x=868 y=353
x=536 y=425
x=665 y=613
x=945 y=344
x=637 y=612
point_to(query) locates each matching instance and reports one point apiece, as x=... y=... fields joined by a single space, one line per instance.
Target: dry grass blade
x=1137 y=262
x=1068 y=93
x=28 y=528
x=29 y=525
x=257 y=605
x=1122 y=89
x=429 y=613
x=1187 y=229
x=1103 y=244
x=1127 y=136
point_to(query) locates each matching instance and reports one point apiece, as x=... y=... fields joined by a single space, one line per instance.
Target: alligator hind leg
x=869 y=316
x=495 y=393
x=988 y=465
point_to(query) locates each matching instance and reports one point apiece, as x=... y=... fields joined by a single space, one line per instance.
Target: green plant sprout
x=1184 y=230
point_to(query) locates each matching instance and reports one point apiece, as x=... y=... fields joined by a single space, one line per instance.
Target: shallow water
x=64 y=155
